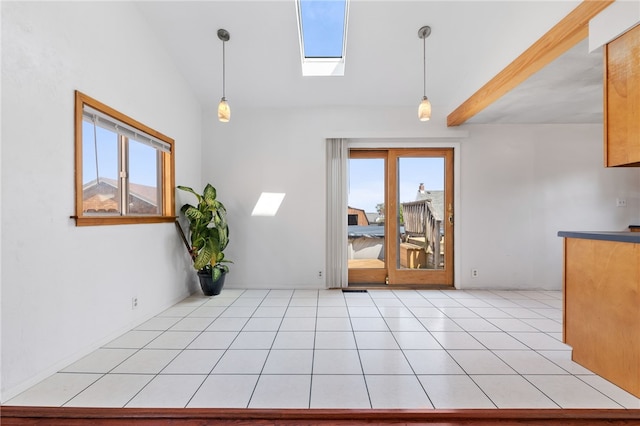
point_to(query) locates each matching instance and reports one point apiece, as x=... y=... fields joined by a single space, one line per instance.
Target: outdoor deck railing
x=420 y=221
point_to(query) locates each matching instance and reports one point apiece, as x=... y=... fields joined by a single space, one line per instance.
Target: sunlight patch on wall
x=268 y=204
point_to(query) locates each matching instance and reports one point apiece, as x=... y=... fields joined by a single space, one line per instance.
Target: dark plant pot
x=210 y=287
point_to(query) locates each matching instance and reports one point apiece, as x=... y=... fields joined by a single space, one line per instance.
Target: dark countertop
x=621 y=237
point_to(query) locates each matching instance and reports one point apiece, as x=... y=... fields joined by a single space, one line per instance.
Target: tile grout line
x=172 y=359
x=313 y=351
x=465 y=371
x=353 y=332
x=270 y=348
x=218 y=361
x=405 y=355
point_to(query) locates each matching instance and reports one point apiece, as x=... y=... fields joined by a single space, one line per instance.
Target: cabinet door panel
x=622 y=100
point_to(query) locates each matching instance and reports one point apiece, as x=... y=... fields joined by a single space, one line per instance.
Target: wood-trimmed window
x=124 y=169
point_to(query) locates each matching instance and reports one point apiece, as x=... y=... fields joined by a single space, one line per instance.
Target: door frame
x=373 y=275
x=413 y=276
x=449 y=141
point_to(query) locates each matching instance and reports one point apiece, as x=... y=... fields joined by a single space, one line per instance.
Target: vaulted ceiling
x=471 y=42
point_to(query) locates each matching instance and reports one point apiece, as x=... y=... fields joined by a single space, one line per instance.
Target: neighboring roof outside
x=100 y=201
x=362 y=216
x=102 y=196
x=145 y=193
x=373 y=217
x=369 y=231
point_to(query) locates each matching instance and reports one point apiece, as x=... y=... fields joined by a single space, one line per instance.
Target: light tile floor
x=334 y=349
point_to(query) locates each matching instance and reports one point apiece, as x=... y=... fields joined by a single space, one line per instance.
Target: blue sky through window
x=140 y=156
x=366 y=179
x=323 y=27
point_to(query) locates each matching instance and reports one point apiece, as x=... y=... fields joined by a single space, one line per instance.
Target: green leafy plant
x=209 y=232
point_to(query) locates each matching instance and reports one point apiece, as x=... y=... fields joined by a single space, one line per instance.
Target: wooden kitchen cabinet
x=622 y=100
x=602 y=304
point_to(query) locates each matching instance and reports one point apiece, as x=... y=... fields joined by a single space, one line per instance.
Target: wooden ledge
x=12 y=415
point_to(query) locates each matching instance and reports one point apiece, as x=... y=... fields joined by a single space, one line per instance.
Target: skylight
x=322 y=26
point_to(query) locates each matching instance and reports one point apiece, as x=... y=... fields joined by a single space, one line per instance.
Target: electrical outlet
x=621 y=202
x=134 y=303
x=474 y=273
x=319 y=275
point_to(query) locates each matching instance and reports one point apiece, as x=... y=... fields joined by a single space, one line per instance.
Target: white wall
x=67 y=289
x=523 y=184
x=284 y=151
x=519 y=186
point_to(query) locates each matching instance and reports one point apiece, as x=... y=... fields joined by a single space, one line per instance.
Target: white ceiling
x=471 y=41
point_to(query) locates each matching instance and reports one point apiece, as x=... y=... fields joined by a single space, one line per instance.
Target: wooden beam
x=563 y=36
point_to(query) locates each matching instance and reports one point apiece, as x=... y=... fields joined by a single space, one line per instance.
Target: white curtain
x=337 y=161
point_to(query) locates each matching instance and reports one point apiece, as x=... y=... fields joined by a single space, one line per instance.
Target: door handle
x=451 y=219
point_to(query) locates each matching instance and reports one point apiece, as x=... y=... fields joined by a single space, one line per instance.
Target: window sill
x=121 y=220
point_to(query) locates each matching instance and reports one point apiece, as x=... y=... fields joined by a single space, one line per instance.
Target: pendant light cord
x=424 y=66
x=223 y=71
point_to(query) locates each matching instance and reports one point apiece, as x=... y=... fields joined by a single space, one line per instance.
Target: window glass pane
x=365 y=216
x=323 y=27
x=143 y=179
x=421 y=201
x=100 y=192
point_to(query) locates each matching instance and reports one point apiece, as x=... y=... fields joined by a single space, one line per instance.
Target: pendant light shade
x=224 y=111
x=424 y=109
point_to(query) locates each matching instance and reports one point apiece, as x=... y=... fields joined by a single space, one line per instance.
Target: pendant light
x=424 y=110
x=224 y=112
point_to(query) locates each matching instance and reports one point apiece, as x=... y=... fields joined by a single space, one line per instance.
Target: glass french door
x=400 y=216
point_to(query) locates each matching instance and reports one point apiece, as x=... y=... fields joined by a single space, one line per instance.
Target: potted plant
x=209 y=235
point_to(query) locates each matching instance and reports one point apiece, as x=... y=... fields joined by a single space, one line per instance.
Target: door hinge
x=386 y=280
